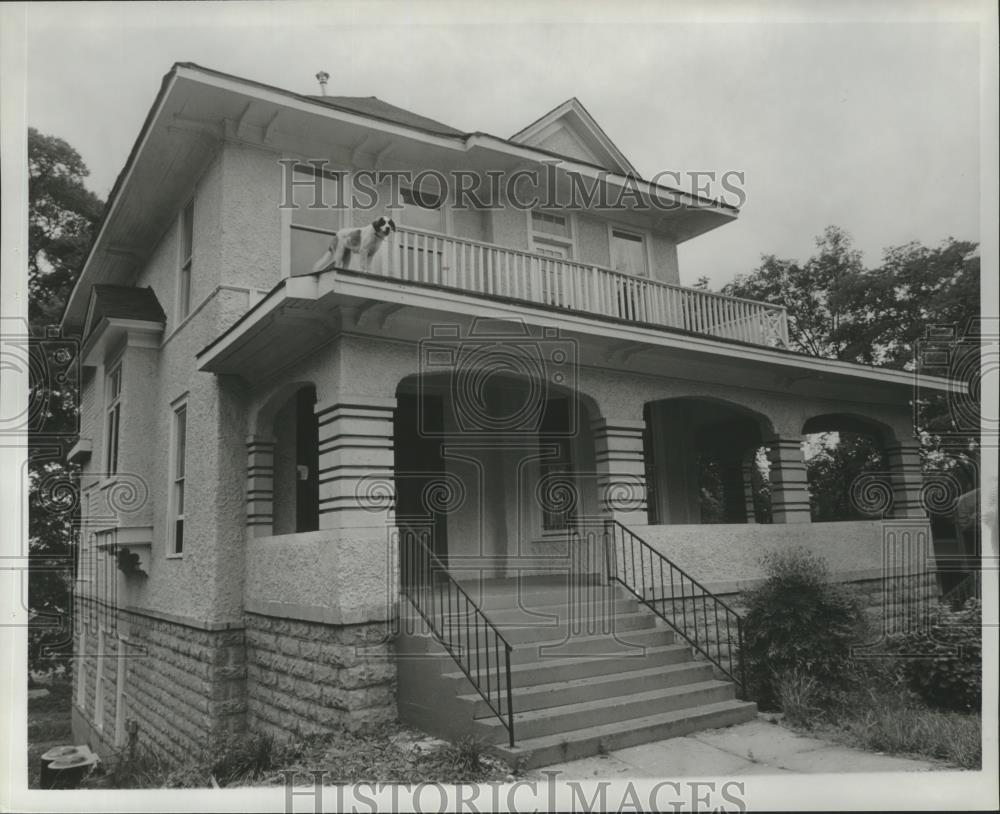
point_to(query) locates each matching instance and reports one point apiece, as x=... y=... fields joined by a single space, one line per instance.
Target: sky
x=861 y=116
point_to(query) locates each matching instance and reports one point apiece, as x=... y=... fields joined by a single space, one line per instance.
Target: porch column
x=621 y=469
x=748 y=467
x=356 y=475
x=907 y=478
x=260 y=485
x=789 y=485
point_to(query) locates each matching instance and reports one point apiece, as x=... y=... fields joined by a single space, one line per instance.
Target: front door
x=418 y=436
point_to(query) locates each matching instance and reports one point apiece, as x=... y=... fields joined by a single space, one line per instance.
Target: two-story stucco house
x=458 y=484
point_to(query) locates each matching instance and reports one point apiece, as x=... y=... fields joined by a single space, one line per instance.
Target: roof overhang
x=302 y=314
x=112 y=333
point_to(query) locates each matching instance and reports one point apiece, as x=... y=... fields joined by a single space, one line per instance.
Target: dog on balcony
x=364 y=241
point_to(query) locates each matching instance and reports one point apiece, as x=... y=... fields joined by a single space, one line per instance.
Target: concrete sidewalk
x=754 y=748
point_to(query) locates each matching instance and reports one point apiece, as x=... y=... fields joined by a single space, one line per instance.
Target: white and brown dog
x=364 y=240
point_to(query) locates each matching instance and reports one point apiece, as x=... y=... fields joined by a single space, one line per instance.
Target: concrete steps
x=579 y=685
x=542 y=751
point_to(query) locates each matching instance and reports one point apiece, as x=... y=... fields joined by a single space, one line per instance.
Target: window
x=187 y=251
x=559 y=483
x=628 y=253
x=99 y=683
x=315 y=193
x=551 y=235
x=113 y=424
x=177 y=480
x=81 y=678
x=120 y=694
x=422 y=210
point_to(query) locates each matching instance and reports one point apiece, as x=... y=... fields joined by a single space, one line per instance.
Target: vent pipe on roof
x=322 y=76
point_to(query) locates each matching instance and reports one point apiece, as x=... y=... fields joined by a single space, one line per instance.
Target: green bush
x=797 y=624
x=944 y=663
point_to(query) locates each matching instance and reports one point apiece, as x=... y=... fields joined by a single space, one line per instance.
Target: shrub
x=798 y=695
x=944 y=663
x=797 y=623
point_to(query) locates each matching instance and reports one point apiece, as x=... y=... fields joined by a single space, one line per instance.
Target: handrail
x=636 y=555
x=457 y=622
x=472 y=265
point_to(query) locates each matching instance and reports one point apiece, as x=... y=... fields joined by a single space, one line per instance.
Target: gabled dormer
x=570 y=130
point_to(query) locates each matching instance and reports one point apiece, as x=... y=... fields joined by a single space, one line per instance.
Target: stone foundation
x=892 y=606
x=308 y=677
x=184 y=684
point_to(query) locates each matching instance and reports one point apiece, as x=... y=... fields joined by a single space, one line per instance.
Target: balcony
x=493 y=271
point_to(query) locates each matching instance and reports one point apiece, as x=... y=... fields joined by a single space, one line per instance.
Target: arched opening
x=296 y=463
x=705 y=462
x=839 y=450
x=490 y=463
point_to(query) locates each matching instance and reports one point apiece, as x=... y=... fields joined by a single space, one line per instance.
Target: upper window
x=628 y=253
x=187 y=252
x=177 y=477
x=551 y=235
x=422 y=210
x=112 y=425
x=314 y=218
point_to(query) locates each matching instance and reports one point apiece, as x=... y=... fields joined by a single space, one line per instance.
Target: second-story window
x=177 y=480
x=628 y=253
x=422 y=210
x=551 y=235
x=113 y=424
x=315 y=217
x=187 y=256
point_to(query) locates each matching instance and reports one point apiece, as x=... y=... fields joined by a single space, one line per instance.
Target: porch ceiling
x=303 y=313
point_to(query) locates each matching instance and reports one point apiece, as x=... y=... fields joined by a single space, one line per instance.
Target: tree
x=838 y=309
x=62 y=217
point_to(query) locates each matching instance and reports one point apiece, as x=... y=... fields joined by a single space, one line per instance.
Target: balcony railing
x=483 y=268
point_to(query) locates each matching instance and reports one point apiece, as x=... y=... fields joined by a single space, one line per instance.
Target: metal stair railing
x=677 y=598
x=459 y=624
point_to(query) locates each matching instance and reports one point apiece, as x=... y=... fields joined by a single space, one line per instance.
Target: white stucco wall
x=251 y=243
x=727 y=556
x=195 y=585
x=322 y=576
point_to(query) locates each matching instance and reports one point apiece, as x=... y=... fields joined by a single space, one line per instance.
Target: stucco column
x=907 y=477
x=789 y=485
x=260 y=485
x=621 y=470
x=356 y=477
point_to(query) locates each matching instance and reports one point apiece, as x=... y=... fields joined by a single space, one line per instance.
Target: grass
x=953 y=737
x=884 y=718
x=387 y=753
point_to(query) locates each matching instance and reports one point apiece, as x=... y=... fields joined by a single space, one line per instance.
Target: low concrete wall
x=341 y=577
x=726 y=557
